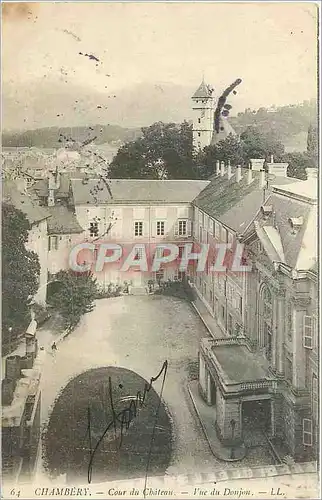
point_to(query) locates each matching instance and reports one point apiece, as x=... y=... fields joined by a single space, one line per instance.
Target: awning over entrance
x=236 y=368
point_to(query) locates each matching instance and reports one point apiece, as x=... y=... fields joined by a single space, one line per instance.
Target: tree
x=312 y=145
x=20 y=272
x=256 y=144
x=163 y=152
x=298 y=163
x=72 y=295
x=229 y=149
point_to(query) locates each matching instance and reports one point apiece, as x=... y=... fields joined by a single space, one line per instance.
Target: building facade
x=260 y=373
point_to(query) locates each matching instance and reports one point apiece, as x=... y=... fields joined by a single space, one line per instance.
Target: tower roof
x=203 y=91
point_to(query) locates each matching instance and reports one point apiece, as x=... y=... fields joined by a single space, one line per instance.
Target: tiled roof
x=24 y=202
x=202 y=91
x=63 y=221
x=95 y=191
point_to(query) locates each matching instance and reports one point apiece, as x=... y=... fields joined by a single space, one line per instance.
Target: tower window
x=199 y=134
x=199 y=120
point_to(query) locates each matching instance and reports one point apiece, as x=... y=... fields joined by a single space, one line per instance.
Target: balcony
x=238 y=369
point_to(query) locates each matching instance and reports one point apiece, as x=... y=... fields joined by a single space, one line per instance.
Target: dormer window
x=296 y=222
x=266 y=210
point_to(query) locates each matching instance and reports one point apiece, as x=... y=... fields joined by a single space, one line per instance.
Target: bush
x=41 y=313
x=176 y=288
x=72 y=295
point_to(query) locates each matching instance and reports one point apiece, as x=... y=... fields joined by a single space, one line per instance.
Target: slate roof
x=202 y=91
x=235 y=204
x=23 y=202
x=41 y=187
x=63 y=221
x=299 y=245
x=95 y=191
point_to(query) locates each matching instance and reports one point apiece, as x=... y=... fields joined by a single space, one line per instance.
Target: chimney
x=249 y=176
x=311 y=172
x=222 y=172
x=13 y=368
x=229 y=174
x=262 y=179
x=7 y=391
x=238 y=173
x=217 y=168
x=277 y=169
x=257 y=164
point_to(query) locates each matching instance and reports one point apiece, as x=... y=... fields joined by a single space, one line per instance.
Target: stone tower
x=203 y=116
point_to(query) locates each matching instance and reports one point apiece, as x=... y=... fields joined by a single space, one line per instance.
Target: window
x=289 y=321
x=181 y=249
x=179 y=275
x=222 y=312
x=93 y=228
x=288 y=368
x=138 y=229
x=267 y=321
x=182 y=227
x=230 y=324
x=307 y=432
x=138 y=254
x=240 y=304
x=230 y=237
x=315 y=398
x=224 y=235
x=216 y=230
x=199 y=120
x=210 y=226
x=160 y=228
x=52 y=243
x=159 y=275
x=308 y=332
x=159 y=252
x=199 y=134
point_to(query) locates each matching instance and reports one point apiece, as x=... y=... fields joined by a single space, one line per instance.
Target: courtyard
x=139 y=333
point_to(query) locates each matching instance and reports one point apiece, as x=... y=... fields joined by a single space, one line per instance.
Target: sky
x=272 y=47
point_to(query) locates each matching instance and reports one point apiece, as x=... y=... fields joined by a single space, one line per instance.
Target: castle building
x=205 y=133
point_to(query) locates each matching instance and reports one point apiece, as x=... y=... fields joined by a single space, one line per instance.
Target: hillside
x=50 y=137
x=288 y=123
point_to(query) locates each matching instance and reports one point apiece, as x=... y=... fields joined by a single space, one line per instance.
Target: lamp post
x=232 y=424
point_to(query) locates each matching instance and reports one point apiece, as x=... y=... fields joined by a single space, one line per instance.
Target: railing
x=207 y=345
x=230 y=341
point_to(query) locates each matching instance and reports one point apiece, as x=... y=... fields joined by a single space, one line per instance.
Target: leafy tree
x=256 y=144
x=298 y=163
x=312 y=145
x=163 y=152
x=20 y=272
x=229 y=149
x=72 y=294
